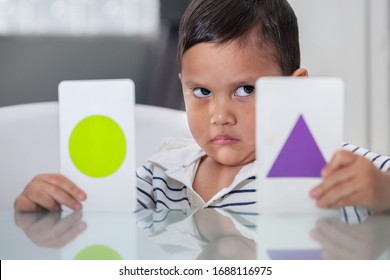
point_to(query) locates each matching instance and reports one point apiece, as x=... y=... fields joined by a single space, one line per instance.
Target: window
x=79 y=17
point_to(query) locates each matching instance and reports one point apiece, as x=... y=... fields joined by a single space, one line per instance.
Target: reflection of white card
x=97 y=141
x=299 y=126
x=287 y=237
x=108 y=236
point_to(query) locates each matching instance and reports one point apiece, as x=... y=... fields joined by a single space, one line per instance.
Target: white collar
x=181 y=164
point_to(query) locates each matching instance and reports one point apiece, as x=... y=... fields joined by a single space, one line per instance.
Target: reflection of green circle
x=98 y=252
x=97 y=146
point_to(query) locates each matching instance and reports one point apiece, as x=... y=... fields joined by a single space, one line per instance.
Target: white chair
x=29 y=141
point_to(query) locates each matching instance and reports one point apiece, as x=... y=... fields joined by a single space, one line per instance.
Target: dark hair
x=274 y=22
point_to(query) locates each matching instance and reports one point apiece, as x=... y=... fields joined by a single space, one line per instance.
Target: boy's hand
x=351 y=179
x=49 y=191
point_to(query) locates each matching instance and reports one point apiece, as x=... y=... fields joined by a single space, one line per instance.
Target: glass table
x=193 y=234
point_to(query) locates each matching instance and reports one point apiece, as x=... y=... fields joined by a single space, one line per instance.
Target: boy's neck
x=212 y=176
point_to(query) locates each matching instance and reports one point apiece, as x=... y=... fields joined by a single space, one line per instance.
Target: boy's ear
x=179 y=76
x=300 y=72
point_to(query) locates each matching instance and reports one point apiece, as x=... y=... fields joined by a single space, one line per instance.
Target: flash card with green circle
x=97 y=141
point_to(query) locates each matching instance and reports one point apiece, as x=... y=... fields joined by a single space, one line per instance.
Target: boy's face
x=219 y=92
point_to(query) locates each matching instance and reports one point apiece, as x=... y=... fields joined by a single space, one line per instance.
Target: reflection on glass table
x=200 y=234
x=191 y=234
x=354 y=234
x=366 y=241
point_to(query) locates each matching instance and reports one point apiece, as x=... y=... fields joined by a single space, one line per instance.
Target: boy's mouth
x=224 y=140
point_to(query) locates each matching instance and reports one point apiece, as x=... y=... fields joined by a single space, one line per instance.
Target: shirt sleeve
x=381 y=162
x=144 y=185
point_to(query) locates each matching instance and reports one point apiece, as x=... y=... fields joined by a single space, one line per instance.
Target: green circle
x=98 y=252
x=97 y=146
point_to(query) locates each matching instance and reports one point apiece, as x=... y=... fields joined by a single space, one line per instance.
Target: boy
x=224 y=47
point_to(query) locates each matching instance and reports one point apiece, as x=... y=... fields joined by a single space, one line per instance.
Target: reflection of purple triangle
x=300 y=155
x=308 y=254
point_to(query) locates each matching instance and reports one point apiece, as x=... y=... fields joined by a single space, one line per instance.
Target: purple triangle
x=300 y=155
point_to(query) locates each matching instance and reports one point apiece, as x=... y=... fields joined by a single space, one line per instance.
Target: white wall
x=379 y=93
x=350 y=39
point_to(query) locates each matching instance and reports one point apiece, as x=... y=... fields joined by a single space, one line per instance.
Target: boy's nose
x=222 y=113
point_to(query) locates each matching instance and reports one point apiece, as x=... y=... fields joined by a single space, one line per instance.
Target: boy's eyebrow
x=191 y=84
x=238 y=82
x=248 y=81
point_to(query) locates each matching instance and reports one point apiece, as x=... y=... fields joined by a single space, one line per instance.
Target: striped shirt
x=165 y=181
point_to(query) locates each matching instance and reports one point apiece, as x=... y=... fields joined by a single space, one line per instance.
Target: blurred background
x=43 y=42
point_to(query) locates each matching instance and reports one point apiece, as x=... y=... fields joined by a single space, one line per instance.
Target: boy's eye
x=202 y=92
x=245 y=91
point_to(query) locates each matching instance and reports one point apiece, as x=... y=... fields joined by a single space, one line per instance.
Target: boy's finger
x=352 y=199
x=331 y=197
x=340 y=159
x=23 y=204
x=65 y=184
x=64 y=198
x=44 y=200
x=337 y=178
x=331 y=181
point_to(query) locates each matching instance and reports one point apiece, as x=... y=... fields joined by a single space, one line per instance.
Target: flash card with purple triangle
x=300 y=155
x=299 y=127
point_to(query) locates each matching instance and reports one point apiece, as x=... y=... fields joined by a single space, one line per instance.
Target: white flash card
x=97 y=141
x=299 y=126
x=108 y=236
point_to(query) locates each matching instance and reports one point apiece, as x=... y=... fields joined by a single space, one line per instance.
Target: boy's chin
x=228 y=159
